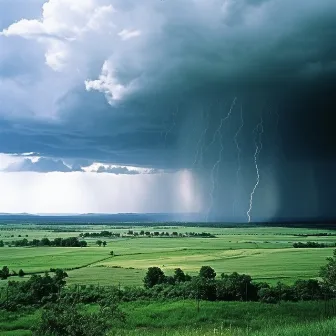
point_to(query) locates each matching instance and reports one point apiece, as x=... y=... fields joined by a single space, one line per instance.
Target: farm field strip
x=253 y=251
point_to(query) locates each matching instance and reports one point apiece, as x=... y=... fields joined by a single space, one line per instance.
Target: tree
x=328 y=273
x=112 y=253
x=99 y=242
x=59 y=277
x=154 y=276
x=21 y=273
x=83 y=243
x=179 y=275
x=2 y=243
x=308 y=290
x=4 y=273
x=104 y=243
x=207 y=272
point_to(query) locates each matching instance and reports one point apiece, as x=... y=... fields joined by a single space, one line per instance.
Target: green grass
x=263 y=252
x=40 y=259
x=181 y=318
x=106 y=276
x=262 y=264
x=18 y=323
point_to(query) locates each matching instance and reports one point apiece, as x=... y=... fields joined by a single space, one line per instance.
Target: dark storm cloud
x=177 y=79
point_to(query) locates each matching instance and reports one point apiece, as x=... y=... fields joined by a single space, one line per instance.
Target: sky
x=222 y=107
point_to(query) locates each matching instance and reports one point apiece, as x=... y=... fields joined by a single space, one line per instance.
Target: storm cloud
x=147 y=84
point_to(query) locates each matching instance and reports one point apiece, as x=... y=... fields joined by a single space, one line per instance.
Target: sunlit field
x=265 y=253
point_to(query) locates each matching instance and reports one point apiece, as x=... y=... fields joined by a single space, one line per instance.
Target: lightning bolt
x=173 y=124
x=238 y=156
x=199 y=146
x=217 y=163
x=259 y=130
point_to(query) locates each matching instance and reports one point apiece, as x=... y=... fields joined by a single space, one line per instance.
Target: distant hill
x=188 y=219
x=93 y=218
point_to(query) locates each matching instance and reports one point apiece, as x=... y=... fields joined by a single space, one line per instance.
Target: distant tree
x=142 y=232
x=154 y=276
x=21 y=273
x=99 y=243
x=83 y=243
x=104 y=243
x=112 y=253
x=328 y=273
x=45 y=242
x=4 y=273
x=207 y=272
x=2 y=243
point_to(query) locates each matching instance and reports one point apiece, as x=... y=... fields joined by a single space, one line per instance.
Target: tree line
x=57 y=242
x=143 y=233
x=312 y=245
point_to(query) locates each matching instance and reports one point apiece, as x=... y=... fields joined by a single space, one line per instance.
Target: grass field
x=180 y=318
x=263 y=252
x=267 y=254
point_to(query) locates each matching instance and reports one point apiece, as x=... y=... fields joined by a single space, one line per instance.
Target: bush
x=67 y=320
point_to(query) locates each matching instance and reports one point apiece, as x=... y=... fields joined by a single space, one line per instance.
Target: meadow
x=181 y=318
x=265 y=253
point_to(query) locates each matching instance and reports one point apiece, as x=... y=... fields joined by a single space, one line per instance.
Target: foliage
x=4 y=273
x=312 y=245
x=37 y=290
x=69 y=320
x=154 y=276
x=207 y=272
x=57 y=242
x=328 y=273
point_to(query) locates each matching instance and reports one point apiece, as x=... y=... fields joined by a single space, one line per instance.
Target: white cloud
x=6 y=160
x=108 y=84
x=65 y=24
x=126 y=34
x=39 y=165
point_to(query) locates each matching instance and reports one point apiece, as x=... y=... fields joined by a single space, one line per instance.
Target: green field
x=180 y=318
x=264 y=253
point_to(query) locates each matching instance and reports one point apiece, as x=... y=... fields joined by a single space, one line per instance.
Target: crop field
x=265 y=253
